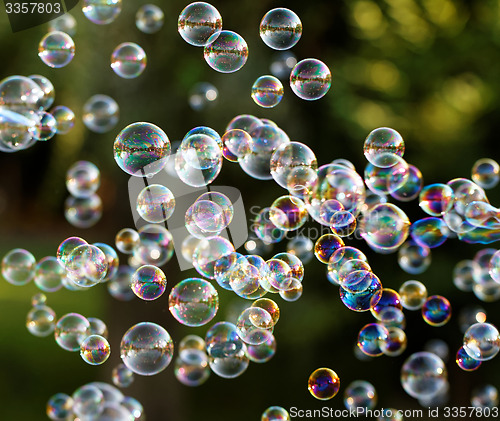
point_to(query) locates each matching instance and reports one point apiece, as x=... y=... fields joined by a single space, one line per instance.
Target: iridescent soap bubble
x=98 y=327
x=465 y=361
x=83 y=179
x=275 y=413
x=208 y=252
x=128 y=60
x=88 y=401
x=413 y=295
x=71 y=330
x=155 y=247
x=141 y=149
x=231 y=366
x=39 y=299
x=371 y=339
x=486 y=173
x=126 y=240
x=83 y=212
x=48 y=90
x=222 y=340
x=414 y=258
x=482 y=341
x=192 y=373
x=18 y=267
x=381 y=145
x=383 y=181
x=198 y=22
x=485 y=396
x=56 y=49
x=149 y=18
x=196 y=177
x=288 y=213
x=263 y=352
x=226 y=52
x=88 y=262
x=45 y=126
x=254 y=325
x=244 y=122
x=95 y=350
x=200 y=151
x=41 y=321
x=265 y=229
x=411 y=187
x=59 y=407
x=389 y=298
x=202 y=95
x=343 y=223
x=267 y=91
x=100 y=113
x=396 y=342
x=310 y=79
x=49 y=274
x=155 y=203
x=326 y=245
x=149 y=282
x=111 y=259
x=193 y=302
x=391 y=316
x=101 y=12
x=323 y=384
x=66 y=248
x=436 y=311
x=360 y=394
x=430 y=232
x=64 y=23
x=339 y=258
x=363 y=295
x=146 y=348
x=423 y=375
x=122 y=376
x=236 y=144
x=436 y=199
x=280 y=29
x=65 y=119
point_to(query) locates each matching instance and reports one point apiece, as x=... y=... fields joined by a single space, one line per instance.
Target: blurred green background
x=427 y=68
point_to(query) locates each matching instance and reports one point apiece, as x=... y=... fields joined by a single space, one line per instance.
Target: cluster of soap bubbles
x=96 y=401
x=83 y=208
x=24 y=115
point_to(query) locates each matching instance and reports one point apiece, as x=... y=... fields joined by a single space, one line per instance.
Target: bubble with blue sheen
x=413 y=295
x=465 y=361
x=310 y=79
x=100 y=113
x=360 y=394
x=396 y=342
x=288 y=158
x=423 y=375
x=323 y=383
x=149 y=18
x=71 y=330
x=146 y=348
x=48 y=90
x=95 y=350
x=149 y=282
x=368 y=295
x=128 y=60
x=326 y=245
x=198 y=22
x=64 y=117
x=280 y=29
x=193 y=302
x=485 y=396
x=389 y=298
x=339 y=257
x=226 y=52
x=353 y=272
x=382 y=145
x=18 y=267
x=414 y=258
x=430 y=232
x=59 y=406
x=41 y=321
x=279 y=276
x=482 y=341
x=207 y=253
x=288 y=213
x=486 y=173
x=101 y=12
x=392 y=317
x=265 y=229
x=88 y=401
x=267 y=91
x=436 y=310
x=83 y=212
x=254 y=325
x=275 y=413
x=371 y=339
x=56 y=49
x=411 y=188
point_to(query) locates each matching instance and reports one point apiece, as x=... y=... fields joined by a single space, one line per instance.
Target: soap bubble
x=254 y=325
x=18 y=129
x=323 y=383
x=280 y=29
x=120 y=286
x=207 y=253
x=326 y=245
x=389 y=298
x=18 y=267
x=198 y=22
x=193 y=302
x=155 y=247
x=64 y=117
x=141 y=149
x=66 y=247
x=482 y=341
x=222 y=340
x=244 y=122
x=95 y=350
x=436 y=311
x=59 y=407
x=149 y=282
x=65 y=23
x=146 y=348
x=381 y=145
x=155 y=203
x=39 y=299
x=98 y=327
x=231 y=366
x=47 y=99
x=293 y=292
x=363 y=295
x=128 y=60
x=202 y=95
x=372 y=338
x=288 y=213
x=263 y=352
x=127 y=240
x=56 y=49
x=275 y=413
x=149 y=18
x=71 y=330
x=430 y=232
x=360 y=394
x=411 y=187
x=41 y=320
x=192 y=372
x=310 y=79
x=302 y=247
x=423 y=375
x=236 y=144
x=413 y=295
x=200 y=151
x=396 y=342
x=83 y=212
x=49 y=274
x=101 y=12
x=87 y=265
x=436 y=199
x=391 y=414
x=88 y=401
x=485 y=396
x=465 y=361
x=486 y=173
x=100 y=113
x=267 y=91
x=383 y=181
x=122 y=376
x=339 y=258
x=111 y=393
x=45 y=126
x=226 y=52
x=83 y=179
x=193 y=176
x=111 y=259
x=414 y=258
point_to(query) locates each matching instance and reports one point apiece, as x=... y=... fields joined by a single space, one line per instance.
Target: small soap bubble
x=465 y=361
x=360 y=394
x=413 y=295
x=208 y=252
x=372 y=338
x=486 y=173
x=226 y=52
x=410 y=189
x=122 y=376
x=49 y=274
x=155 y=203
x=65 y=23
x=288 y=213
x=310 y=79
x=396 y=342
x=414 y=258
x=222 y=340
x=389 y=298
x=254 y=325
x=59 y=407
x=101 y=113
x=83 y=212
x=482 y=341
x=95 y=350
x=87 y=265
x=149 y=282
x=64 y=117
x=98 y=327
x=142 y=149
x=83 y=179
x=149 y=18
x=293 y=292
x=381 y=145
x=101 y=12
x=193 y=370
x=430 y=232
x=265 y=229
x=326 y=245
x=275 y=413
x=128 y=60
x=45 y=127
x=41 y=320
x=146 y=348
x=56 y=49
x=323 y=384
x=423 y=375
x=343 y=223
x=71 y=330
x=39 y=299
x=88 y=401
x=126 y=240
x=280 y=29
x=193 y=302
x=339 y=258
x=119 y=286
x=18 y=267
x=436 y=199
x=200 y=151
x=155 y=247
x=436 y=311
x=270 y=306
x=48 y=90
x=485 y=396
x=267 y=91
x=232 y=366
x=263 y=352
x=202 y=95
x=363 y=295
x=236 y=144
x=302 y=247
x=198 y=22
